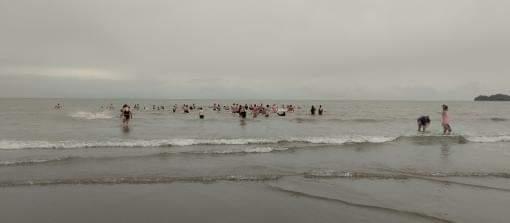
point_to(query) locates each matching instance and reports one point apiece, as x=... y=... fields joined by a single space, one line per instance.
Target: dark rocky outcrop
x=496 y=97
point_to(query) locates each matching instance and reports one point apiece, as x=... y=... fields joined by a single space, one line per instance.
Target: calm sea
x=364 y=154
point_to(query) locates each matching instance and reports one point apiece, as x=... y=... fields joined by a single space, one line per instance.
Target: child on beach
x=445 y=121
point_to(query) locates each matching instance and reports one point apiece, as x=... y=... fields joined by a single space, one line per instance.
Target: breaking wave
x=71 y=144
x=34 y=161
x=248 y=150
x=344 y=140
x=488 y=139
x=140 y=180
x=16 y=144
x=30 y=162
x=329 y=173
x=460 y=174
x=227 y=151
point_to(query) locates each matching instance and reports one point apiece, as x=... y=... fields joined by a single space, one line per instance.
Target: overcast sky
x=260 y=49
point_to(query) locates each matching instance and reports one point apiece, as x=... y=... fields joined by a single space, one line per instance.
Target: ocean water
x=362 y=155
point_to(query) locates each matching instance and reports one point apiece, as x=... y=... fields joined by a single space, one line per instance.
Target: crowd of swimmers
x=265 y=110
x=255 y=110
x=241 y=110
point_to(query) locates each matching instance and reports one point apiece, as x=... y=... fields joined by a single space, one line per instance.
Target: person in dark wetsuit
x=321 y=110
x=423 y=122
x=312 y=110
x=126 y=115
x=201 y=113
x=242 y=112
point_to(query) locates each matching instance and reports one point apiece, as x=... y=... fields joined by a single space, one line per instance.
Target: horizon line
x=248 y=99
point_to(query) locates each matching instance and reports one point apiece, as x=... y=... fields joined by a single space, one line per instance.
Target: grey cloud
x=367 y=49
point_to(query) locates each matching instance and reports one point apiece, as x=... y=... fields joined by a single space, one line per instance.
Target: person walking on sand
x=445 y=121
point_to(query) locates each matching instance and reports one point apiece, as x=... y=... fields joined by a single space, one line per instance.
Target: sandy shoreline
x=288 y=199
x=182 y=202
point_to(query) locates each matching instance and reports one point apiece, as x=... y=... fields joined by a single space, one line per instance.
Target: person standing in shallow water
x=58 y=107
x=242 y=112
x=445 y=121
x=126 y=115
x=201 y=113
x=312 y=110
x=321 y=110
x=423 y=122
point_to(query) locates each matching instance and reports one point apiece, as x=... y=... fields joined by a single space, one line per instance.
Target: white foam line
x=489 y=139
x=91 y=115
x=35 y=144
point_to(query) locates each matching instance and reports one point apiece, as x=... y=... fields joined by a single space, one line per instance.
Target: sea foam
x=270 y=144
x=19 y=144
x=91 y=115
x=489 y=139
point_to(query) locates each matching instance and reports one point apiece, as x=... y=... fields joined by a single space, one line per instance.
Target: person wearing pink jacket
x=445 y=121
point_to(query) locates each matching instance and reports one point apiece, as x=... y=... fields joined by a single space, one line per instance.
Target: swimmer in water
x=266 y=111
x=242 y=112
x=126 y=115
x=423 y=123
x=445 y=121
x=281 y=112
x=201 y=113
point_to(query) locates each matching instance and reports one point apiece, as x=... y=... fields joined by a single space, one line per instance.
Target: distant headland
x=496 y=97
